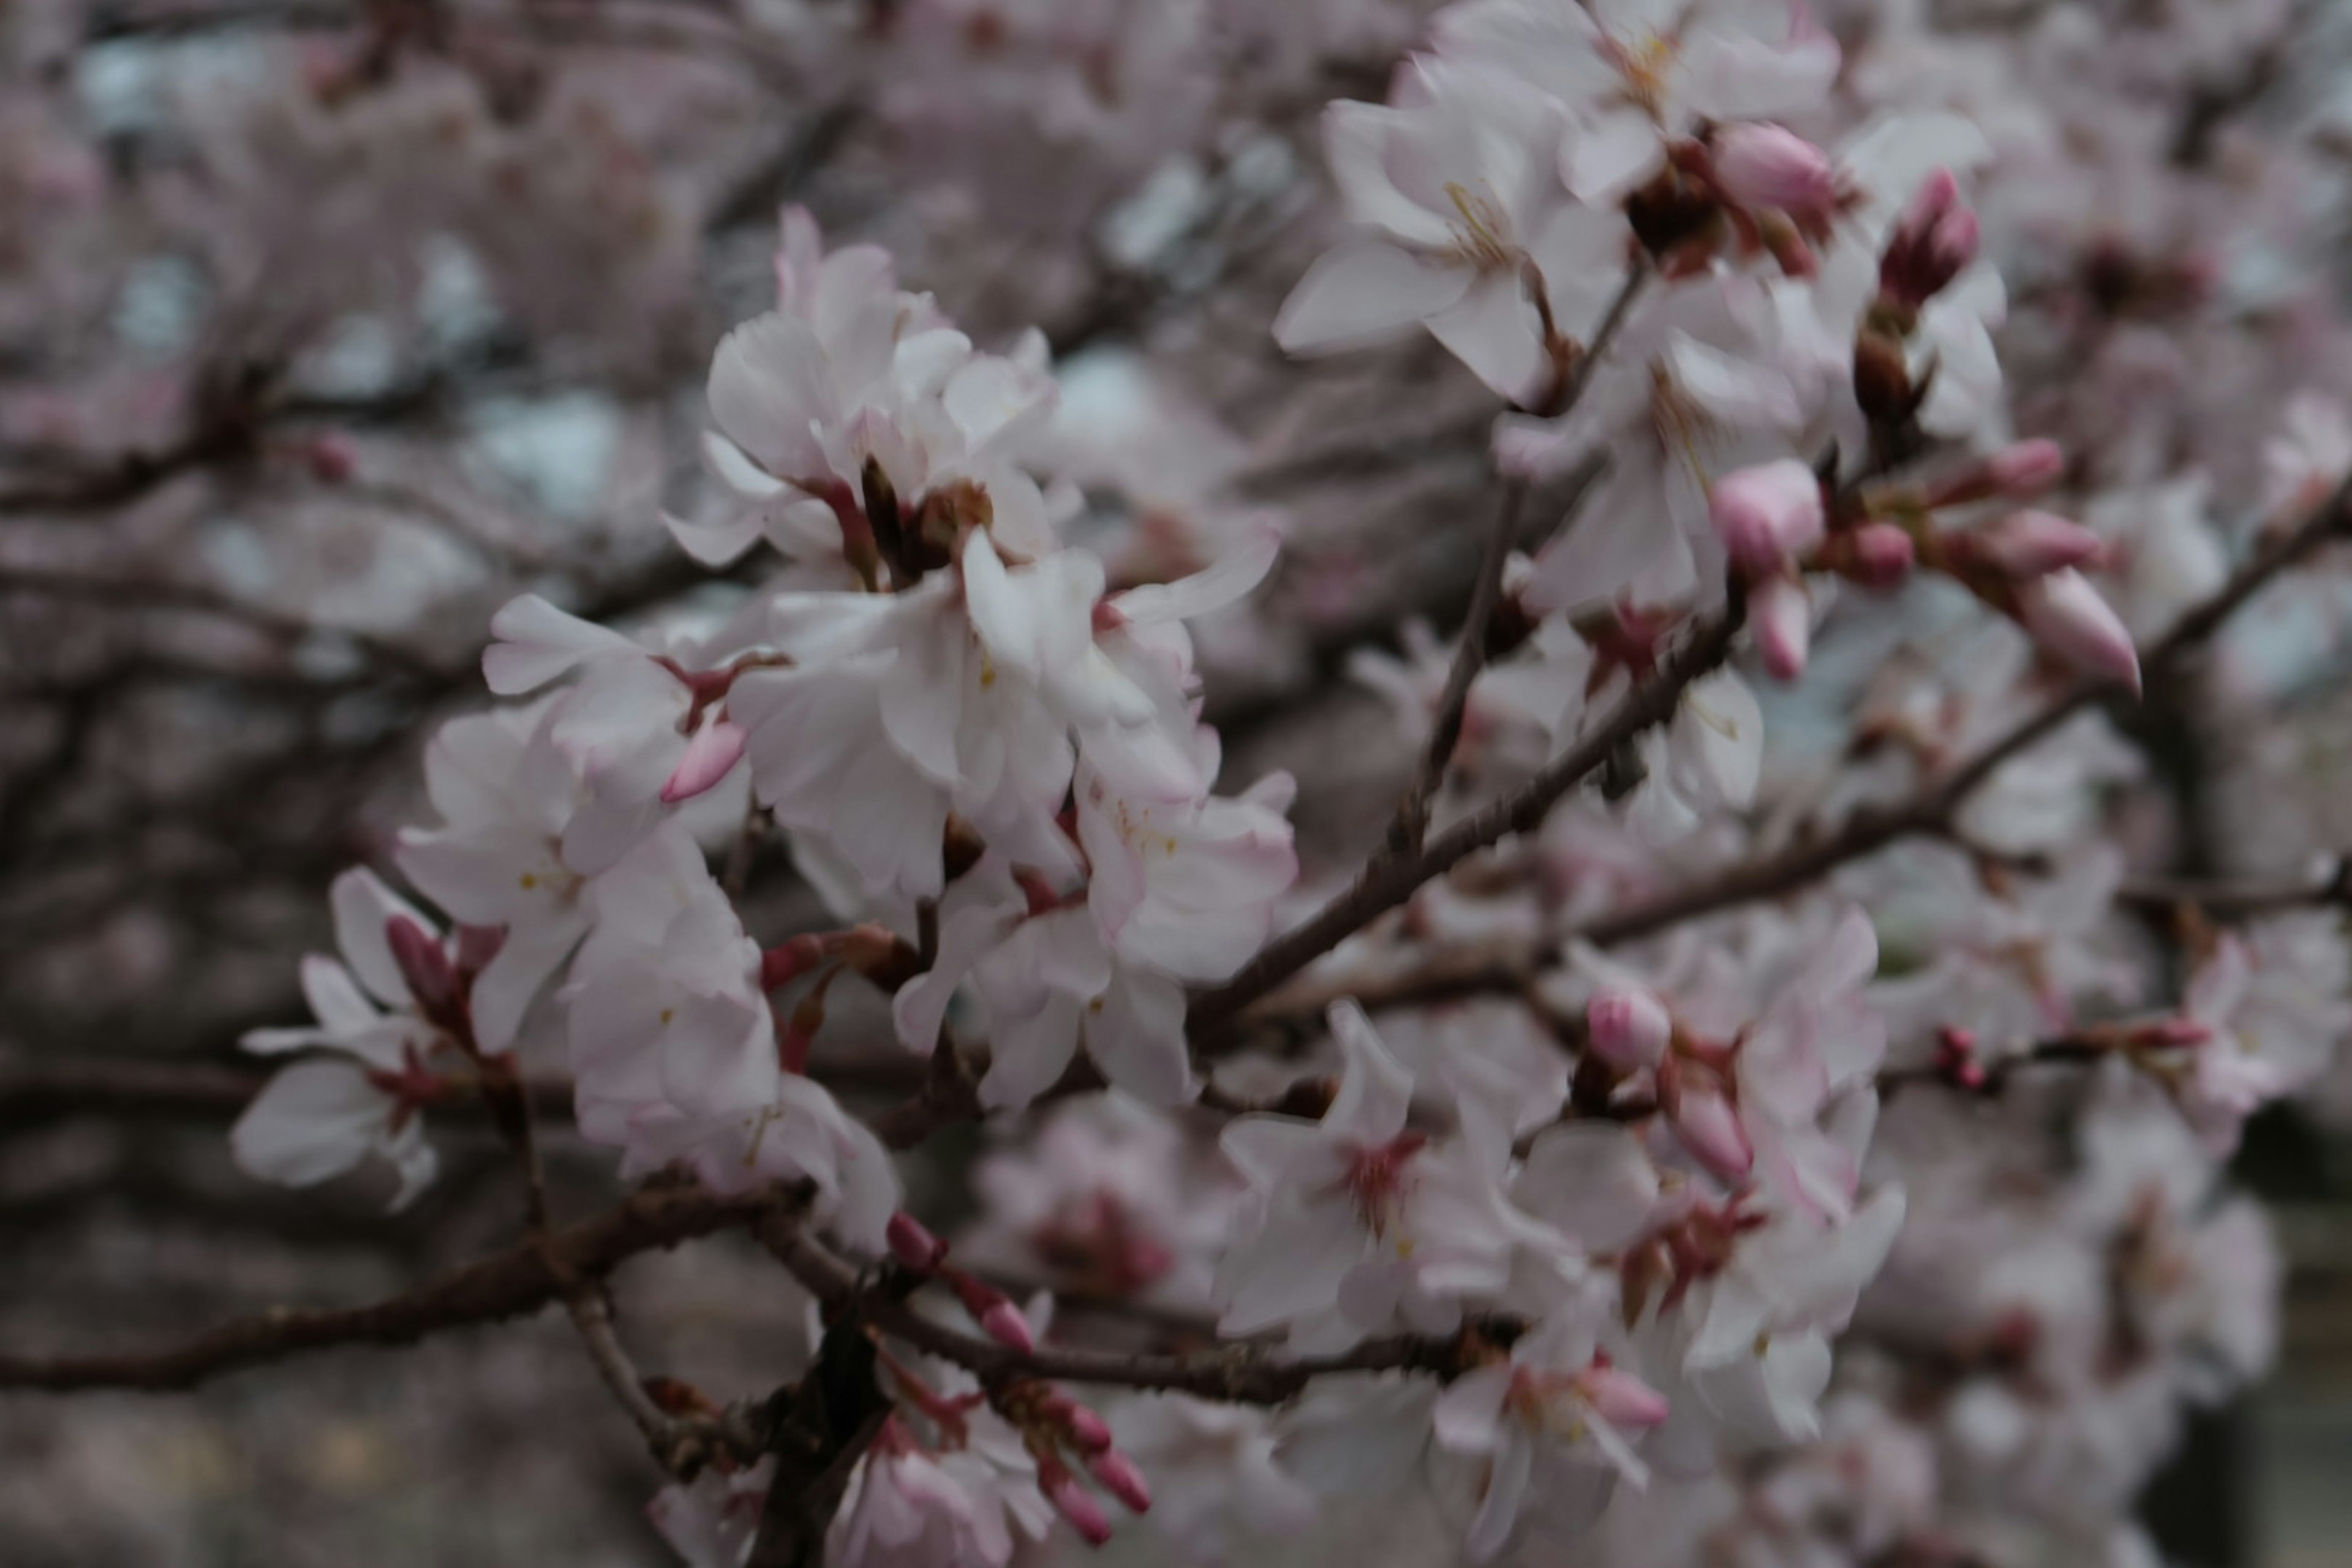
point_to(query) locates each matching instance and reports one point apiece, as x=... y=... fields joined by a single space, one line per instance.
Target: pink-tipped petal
x=1003 y=1324
x=710 y=752
x=912 y=1244
x=1782 y=619
x=2026 y=468
x=2065 y=614
x=2031 y=543
x=1764 y=166
x=1629 y=1028
x=1622 y=1399
x=424 y=964
x=1120 y=1476
x=1768 y=515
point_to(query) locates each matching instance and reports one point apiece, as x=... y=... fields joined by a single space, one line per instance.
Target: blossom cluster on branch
x=1748 y=1102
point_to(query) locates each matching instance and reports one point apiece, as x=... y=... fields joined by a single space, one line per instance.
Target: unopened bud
x=1769 y=514
x=1120 y=1476
x=912 y=1244
x=1764 y=167
x=2064 y=612
x=1620 y=1398
x=333 y=457
x=1934 y=242
x=999 y=1319
x=1782 y=618
x=424 y=966
x=1073 y=1501
x=1088 y=1432
x=711 y=752
x=1883 y=555
x=2026 y=468
x=1630 y=1029
x=2027 y=544
x=477 y=945
x=1005 y=1325
x=1706 y=1123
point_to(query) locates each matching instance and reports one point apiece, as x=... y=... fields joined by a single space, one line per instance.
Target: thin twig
x=1388 y=881
x=1411 y=820
x=1250 y=1373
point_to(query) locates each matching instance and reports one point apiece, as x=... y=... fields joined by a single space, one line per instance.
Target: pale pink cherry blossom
x=1557 y=1424
x=2273 y=1008
x=1743 y=1355
x=712 y=1521
x=1356 y=1224
x=1462 y=215
x=363 y=1095
x=963 y=1501
x=1705 y=379
x=674 y=1049
x=1706 y=759
x=1804 y=1069
x=1638 y=74
x=2309 y=457
x=1109 y=1197
x=506 y=792
x=849 y=373
x=2161 y=556
x=2009 y=967
x=646 y=729
x=1174 y=891
x=1217 y=1492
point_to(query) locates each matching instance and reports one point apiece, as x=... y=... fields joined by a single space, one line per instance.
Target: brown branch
x=1470 y=657
x=1388 y=881
x=1247 y=1373
x=508 y=1284
x=2241 y=899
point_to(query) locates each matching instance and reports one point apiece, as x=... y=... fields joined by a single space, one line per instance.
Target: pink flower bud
x=332 y=457
x=1629 y=1028
x=1933 y=244
x=424 y=964
x=710 y=752
x=1782 y=618
x=1883 y=554
x=477 y=945
x=2032 y=544
x=1766 y=167
x=1706 y=1122
x=1120 y=1478
x=788 y=960
x=2026 y=468
x=1003 y=1324
x=913 y=1245
x=1769 y=514
x=1088 y=1432
x=1073 y=1501
x=2065 y=614
x=1620 y=1398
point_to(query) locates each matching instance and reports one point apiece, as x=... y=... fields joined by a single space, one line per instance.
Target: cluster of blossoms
x=1560 y=1267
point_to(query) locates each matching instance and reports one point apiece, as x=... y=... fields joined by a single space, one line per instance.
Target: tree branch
x=1388 y=881
x=1247 y=1373
x=508 y=1284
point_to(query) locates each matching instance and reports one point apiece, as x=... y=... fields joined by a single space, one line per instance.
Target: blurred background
x=328 y=325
